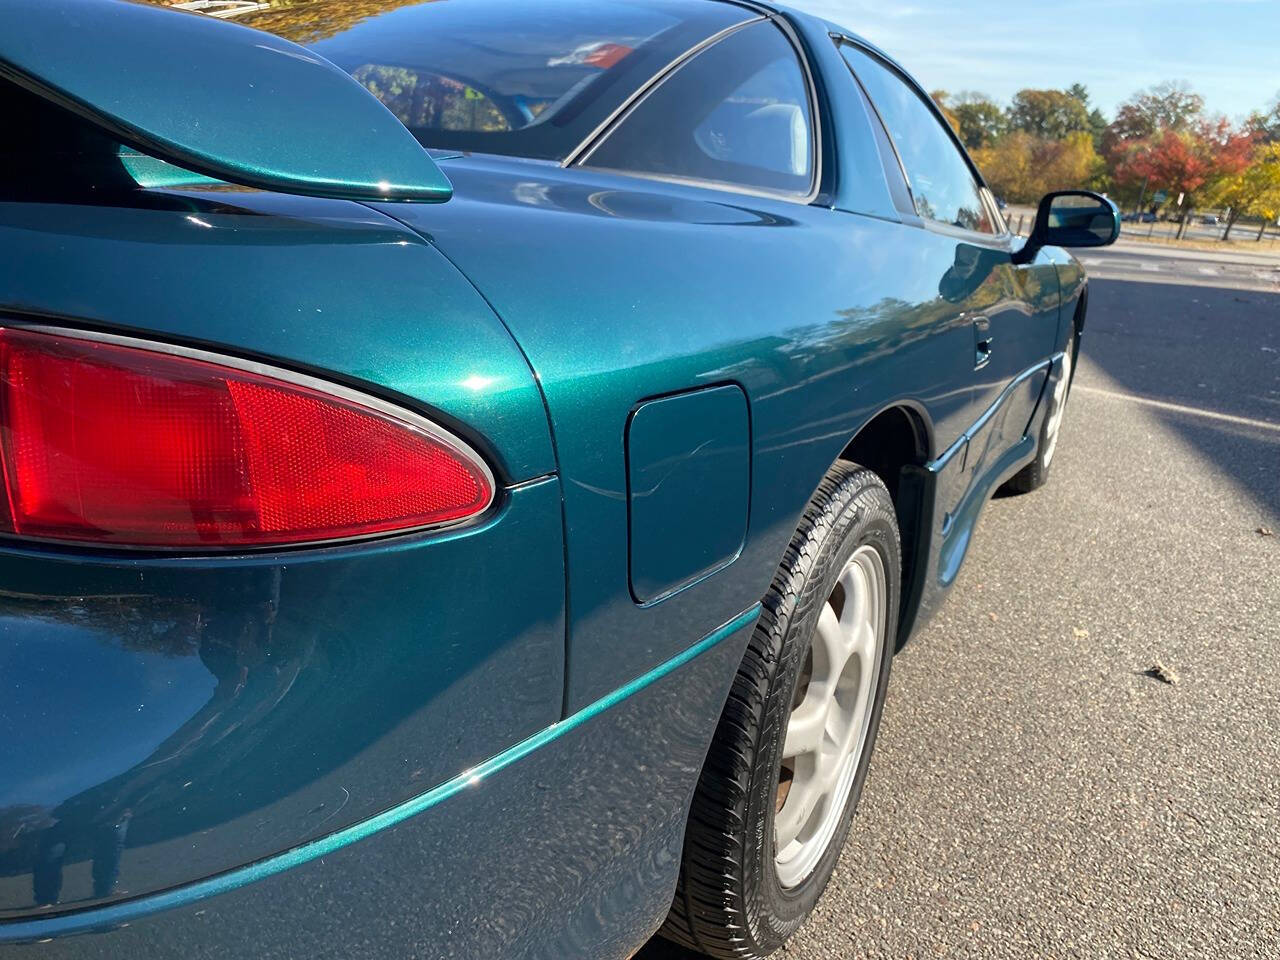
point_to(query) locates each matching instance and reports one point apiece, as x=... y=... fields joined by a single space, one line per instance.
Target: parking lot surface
x=1037 y=790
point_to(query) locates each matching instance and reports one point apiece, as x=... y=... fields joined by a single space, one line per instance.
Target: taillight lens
x=114 y=442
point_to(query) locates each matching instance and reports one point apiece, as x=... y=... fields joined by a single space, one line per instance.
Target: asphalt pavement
x=1038 y=790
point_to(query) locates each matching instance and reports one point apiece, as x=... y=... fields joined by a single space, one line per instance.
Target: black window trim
x=583 y=151
x=1002 y=236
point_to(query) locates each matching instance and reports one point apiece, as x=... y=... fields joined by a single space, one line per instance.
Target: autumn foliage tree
x=942 y=100
x=1166 y=106
x=1254 y=191
x=1184 y=161
x=1022 y=167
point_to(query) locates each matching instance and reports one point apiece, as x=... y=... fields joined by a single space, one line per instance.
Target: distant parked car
x=1211 y=219
x=1146 y=217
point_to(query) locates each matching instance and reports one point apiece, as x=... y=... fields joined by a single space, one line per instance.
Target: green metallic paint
x=336 y=290
x=297 y=701
x=131 y=910
x=227 y=708
x=150 y=173
x=688 y=482
x=327 y=286
x=215 y=97
x=824 y=318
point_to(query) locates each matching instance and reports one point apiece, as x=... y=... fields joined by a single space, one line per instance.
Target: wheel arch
x=896 y=444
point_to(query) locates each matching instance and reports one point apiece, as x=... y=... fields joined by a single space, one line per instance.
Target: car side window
x=943 y=188
x=737 y=113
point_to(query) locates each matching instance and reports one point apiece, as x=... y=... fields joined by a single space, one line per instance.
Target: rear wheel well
x=891 y=440
x=894 y=445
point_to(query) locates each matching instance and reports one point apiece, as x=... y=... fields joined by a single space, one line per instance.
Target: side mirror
x=1071 y=218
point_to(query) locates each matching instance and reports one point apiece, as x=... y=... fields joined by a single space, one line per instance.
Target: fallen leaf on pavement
x=1079 y=632
x=1158 y=671
x=1265 y=531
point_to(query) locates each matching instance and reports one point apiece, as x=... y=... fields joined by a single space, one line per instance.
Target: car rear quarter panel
x=572 y=852
x=621 y=289
x=164 y=718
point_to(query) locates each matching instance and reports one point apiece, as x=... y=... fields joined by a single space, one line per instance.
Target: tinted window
x=529 y=79
x=738 y=113
x=942 y=187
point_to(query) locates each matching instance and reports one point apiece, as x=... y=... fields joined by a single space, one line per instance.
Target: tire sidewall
x=775 y=912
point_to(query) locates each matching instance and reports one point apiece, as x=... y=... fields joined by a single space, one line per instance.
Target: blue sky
x=1228 y=50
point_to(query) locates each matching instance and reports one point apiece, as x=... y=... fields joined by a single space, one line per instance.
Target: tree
x=1097 y=121
x=943 y=100
x=1184 y=161
x=1254 y=191
x=1171 y=105
x=1024 y=168
x=980 y=121
x=1067 y=164
x=1267 y=124
x=1048 y=114
x=313 y=20
x=1006 y=166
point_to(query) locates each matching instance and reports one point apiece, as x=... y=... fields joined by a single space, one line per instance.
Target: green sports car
x=468 y=465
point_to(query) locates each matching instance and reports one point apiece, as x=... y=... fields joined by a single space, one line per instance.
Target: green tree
x=980 y=121
x=1048 y=114
x=1097 y=121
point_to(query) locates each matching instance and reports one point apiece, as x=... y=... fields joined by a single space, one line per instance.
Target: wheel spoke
x=864 y=642
x=789 y=821
x=804 y=729
x=828 y=772
x=853 y=580
x=795 y=813
x=831 y=649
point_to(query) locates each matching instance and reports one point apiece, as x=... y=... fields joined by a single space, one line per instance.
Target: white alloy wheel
x=830 y=716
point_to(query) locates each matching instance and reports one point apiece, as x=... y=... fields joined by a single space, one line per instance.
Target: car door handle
x=981 y=342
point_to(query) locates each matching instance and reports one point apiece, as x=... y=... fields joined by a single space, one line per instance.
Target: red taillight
x=109 y=442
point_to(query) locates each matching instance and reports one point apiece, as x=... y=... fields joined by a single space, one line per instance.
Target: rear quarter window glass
x=527 y=79
x=738 y=113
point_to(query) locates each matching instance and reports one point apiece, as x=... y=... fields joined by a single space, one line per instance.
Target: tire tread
x=709 y=914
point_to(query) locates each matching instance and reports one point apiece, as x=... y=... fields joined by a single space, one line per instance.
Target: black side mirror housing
x=1071 y=218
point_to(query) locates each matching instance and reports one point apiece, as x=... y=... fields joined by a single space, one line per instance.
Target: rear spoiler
x=216 y=98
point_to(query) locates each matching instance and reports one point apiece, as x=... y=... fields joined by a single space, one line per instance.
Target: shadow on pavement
x=659 y=949
x=1213 y=349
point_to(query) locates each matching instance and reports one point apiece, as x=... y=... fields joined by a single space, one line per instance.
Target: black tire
x=729 y=901
x=1036 y=473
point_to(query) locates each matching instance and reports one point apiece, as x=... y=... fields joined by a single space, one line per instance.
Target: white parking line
x=1209 y=271
x=1121 y=263
x=1181 y=408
